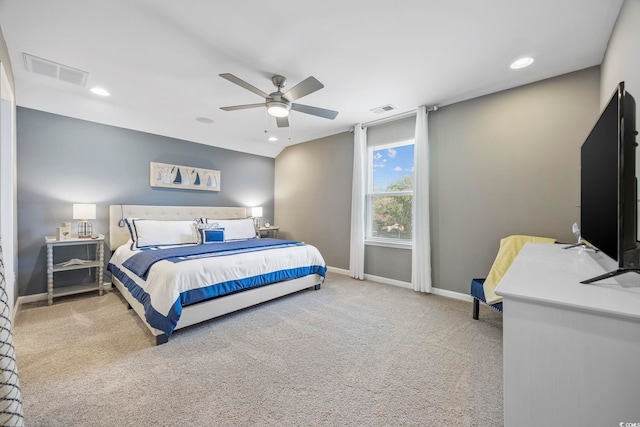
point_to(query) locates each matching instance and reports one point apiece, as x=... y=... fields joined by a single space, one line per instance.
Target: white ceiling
x=160 y=59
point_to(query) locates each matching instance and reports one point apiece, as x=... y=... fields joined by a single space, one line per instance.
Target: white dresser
x=571 y=351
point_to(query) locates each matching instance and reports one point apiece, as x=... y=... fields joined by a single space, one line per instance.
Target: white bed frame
x=200 y=312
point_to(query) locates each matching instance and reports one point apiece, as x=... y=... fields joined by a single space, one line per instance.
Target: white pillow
x=235 y=229
x=151 y=232
x=131 y=228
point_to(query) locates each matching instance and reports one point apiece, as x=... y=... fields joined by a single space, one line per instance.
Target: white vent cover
x=383 y=109
x=44 y=67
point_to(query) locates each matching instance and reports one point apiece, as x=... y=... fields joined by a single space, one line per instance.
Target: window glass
x=390 y=191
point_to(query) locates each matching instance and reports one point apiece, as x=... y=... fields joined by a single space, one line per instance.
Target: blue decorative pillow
x=211 y=235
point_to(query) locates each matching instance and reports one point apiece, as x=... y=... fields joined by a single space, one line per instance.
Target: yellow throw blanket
x=509 y=248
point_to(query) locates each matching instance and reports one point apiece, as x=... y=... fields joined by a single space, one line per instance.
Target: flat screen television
x=608 y=194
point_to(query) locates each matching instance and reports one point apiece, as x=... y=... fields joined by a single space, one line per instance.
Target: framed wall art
x=183 y=177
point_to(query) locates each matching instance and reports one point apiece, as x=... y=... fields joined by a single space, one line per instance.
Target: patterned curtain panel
x=10 y=397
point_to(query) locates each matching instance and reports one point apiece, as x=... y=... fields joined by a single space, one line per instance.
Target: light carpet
x=355 y=353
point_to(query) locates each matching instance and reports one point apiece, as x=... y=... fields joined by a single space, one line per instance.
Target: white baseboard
x=388 y=281
x=451 y=294
x=32 y=298
x=407 y=285
x=339 y=270
x=436 y=291
x=43 y=297
x=16 y=307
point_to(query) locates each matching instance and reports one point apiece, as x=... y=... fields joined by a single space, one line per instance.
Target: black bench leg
x=476 y=308
x=162 y=339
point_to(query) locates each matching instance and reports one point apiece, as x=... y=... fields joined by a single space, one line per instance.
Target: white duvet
x=167 y=280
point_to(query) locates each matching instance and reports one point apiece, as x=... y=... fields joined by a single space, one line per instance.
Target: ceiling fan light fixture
x=278 y=108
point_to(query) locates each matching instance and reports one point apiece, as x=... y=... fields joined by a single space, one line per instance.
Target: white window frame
x=383 y=241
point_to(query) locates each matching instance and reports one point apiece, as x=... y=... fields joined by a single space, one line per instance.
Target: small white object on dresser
x=74 y=264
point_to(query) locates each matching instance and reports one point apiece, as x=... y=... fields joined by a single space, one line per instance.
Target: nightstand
x=96 y=262
x=268 y=231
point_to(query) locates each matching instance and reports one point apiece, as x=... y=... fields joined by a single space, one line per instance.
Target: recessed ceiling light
x=100 y=91
x=205 y=120
x=521 y=63
x=273 y=139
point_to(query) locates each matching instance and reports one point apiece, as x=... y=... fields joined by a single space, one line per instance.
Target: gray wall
x=506 y=163
x=313 y=195
x=62 y=161
x=622 y=60
x=390 y=263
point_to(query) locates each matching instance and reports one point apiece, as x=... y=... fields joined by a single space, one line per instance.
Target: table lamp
x=256 y=213
x=84 y=212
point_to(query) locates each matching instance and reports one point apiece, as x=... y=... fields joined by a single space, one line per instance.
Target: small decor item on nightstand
x=63 y=232
x=85 y=212
x=267 y=223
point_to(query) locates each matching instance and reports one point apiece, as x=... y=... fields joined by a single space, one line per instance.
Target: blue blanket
x=141 y=262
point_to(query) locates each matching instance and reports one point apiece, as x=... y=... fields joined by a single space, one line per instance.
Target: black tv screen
x=608 y=196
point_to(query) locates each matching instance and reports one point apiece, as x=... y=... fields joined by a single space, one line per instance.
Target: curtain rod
x=396 y=117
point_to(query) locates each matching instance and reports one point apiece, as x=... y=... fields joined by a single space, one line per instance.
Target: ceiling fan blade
x=242 y=83
x=283 y=122
x=304 y=88
x=315 y=111
x=242 y=107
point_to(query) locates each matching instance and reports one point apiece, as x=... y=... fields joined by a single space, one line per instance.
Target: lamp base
x=85 y=230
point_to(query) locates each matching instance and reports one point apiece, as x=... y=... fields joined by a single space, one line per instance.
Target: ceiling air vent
x=383 y=109
x=47 y=68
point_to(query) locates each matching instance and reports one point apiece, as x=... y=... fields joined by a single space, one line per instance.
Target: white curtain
x=421 y=253
x=356 y=259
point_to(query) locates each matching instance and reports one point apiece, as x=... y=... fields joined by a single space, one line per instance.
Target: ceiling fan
x=279 y=104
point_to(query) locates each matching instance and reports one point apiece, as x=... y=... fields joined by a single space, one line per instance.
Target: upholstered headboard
x=118 y=235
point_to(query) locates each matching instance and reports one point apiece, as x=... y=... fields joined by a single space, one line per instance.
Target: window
x=390 y=192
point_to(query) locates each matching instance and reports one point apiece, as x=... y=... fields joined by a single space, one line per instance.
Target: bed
x=181 y=283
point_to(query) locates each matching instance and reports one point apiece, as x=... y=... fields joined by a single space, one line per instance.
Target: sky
x=391 y=165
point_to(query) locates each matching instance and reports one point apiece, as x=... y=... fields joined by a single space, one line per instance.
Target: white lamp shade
x=256 y=212
x=84 y=211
